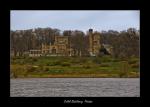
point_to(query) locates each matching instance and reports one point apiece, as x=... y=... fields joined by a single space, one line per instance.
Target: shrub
x=104 y=65
x=55 y=71
x=65 y=64
x=106 y=59
x=46 y=69
x=16 y=70
x=97 y=60
x=28 y=60
x=135 y=65
x=123 y=74
x=49 y=64
x=22 y=62
x=86 y=66
x=56 y=63
x=31 y=68
x=15 y=75
x=39 y=68
x=132 y=61
x=115 y=60
x=82 y=60
x=34 y=59
x=76 y=60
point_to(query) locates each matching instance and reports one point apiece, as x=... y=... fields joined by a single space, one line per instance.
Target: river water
x=75 y=87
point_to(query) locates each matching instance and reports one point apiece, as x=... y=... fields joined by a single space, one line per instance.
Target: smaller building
x=106 y=49
x=109 y=48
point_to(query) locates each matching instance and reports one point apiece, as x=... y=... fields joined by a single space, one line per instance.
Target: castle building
x=62 y=46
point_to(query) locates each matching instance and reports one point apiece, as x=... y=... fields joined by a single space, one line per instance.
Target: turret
x=91 y=41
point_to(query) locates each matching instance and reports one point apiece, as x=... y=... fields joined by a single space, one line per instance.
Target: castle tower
x=90 y=41
x=94 y=43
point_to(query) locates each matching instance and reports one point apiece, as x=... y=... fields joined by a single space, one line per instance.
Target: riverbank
x=79 y=76
x=73 y=67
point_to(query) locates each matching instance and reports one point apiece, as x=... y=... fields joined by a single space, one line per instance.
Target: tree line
x=125 y=43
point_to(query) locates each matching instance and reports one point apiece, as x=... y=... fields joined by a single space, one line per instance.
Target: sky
x=75 y=20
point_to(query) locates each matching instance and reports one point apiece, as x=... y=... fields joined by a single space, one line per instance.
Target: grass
x=74 y=67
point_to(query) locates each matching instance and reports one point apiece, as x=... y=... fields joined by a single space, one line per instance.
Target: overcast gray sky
x=72 y=20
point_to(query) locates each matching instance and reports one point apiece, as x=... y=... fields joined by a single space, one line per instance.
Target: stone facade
x=59 y=48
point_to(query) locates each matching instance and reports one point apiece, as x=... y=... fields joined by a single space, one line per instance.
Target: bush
x=86 y=66
x=106 y=59
x=55 y=71
x=15 y=75
x=133 y=60
x=97 y=60
x=104 y=65
x=75 y=60
x=65 y=64
x=115 y=60
x=16 y=71
x=56 y=63
x=41 y=67
x=28 y=60
x=135 y=65
x=53 y=63
x=123 y=74
x=46 y=69
x=49 y=64
x=82 y=60
x=34 y=59
x=31 y=69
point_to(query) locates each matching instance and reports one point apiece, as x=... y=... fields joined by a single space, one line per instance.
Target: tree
x=77 y=42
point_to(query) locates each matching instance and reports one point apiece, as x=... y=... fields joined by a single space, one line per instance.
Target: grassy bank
x=106 y=67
